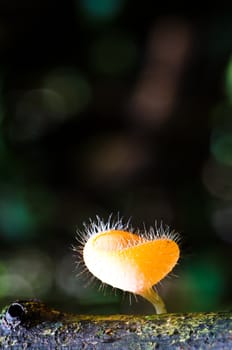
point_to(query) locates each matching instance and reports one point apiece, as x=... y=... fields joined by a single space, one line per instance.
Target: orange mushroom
x=128 y=261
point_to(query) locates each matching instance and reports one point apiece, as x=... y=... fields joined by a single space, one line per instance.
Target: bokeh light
x=217 y=179
x=222 y=147
x=16 y=218
x=27 y=274
x=113 y=160
x=166 y=54
x=1 y=89
x=71 y=86
x=228 y=80
x=101 y=9
x=13 y=285
x=202 y=284
x=2 y=147
x=111 y=107
x=221 y=134
x=36 y=112
x=221 y=221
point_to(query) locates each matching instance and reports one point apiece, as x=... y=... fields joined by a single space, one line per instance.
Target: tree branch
x=31 y=324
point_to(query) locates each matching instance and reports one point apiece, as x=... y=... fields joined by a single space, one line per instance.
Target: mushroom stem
x=153 y=297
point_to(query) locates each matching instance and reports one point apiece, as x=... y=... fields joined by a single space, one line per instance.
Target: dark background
x=107 y=107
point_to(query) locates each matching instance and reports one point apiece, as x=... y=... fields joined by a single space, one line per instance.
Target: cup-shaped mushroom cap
x=128 y=261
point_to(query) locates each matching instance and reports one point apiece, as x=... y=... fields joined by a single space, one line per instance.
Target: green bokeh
x=101 y=8
x=204 y=284
x=221 y=148
x=16 y=219
x=221 y=134
x=3 y=286
x=228 y=80
x=2 y=147
x=72 y=86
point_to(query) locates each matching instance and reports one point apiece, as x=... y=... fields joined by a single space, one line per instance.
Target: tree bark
x=32 y=325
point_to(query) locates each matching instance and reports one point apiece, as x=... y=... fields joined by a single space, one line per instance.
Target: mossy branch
x=31 y=324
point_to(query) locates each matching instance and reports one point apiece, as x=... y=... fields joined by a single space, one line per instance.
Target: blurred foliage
x=109 y=106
